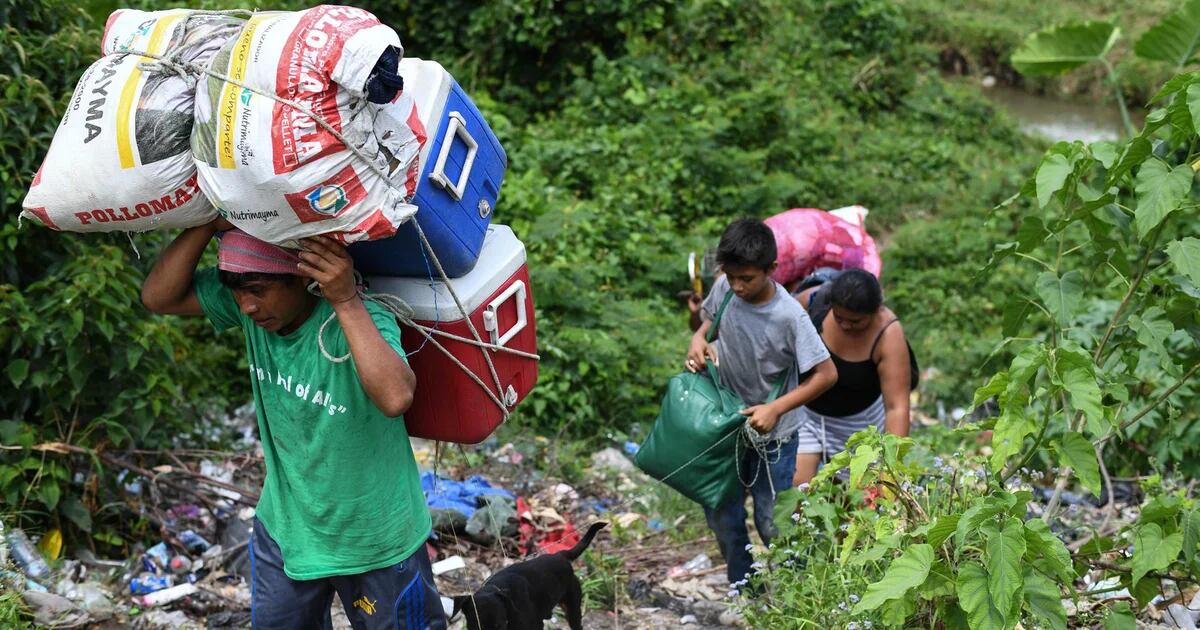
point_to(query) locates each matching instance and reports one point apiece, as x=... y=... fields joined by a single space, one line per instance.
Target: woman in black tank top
x=872 y=357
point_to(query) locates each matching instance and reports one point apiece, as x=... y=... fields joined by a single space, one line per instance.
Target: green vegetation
x=978 y=37
x=635 y=130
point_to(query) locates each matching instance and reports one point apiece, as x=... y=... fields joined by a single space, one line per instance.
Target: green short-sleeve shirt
x=342 y=494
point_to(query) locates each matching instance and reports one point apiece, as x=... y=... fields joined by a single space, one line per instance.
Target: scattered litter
x=180 y=565
x=508 y=454
x=631 y=448
x=194 y=542
x=54 y=611
x=453 y=563
x=166 y=596
x=1180 y=617
x=698 y=563
x=462 y=496
x=495 y=518
x=612 y=459
x=688 y=620
x=148 y=583
x=26 y=555
x=87 y=596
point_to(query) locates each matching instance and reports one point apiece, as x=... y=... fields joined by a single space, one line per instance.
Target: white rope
x=175 y=64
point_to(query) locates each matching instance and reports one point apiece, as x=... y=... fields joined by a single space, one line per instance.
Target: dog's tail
x=578 y=549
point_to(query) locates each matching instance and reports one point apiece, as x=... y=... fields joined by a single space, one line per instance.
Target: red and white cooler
x=449 y=405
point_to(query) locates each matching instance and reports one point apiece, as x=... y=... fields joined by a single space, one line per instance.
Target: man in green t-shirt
x=342 y=508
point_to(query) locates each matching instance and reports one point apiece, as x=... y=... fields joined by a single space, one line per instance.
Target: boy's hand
x=699 y=352
x=327 y=262
x=221 y=224
x=762 y=418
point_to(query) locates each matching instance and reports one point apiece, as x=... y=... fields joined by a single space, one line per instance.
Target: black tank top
x=857 y=387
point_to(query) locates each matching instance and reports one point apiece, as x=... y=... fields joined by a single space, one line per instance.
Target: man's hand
x=221 y=224
x=699 y=352
x=327 y=262
x=762 y=418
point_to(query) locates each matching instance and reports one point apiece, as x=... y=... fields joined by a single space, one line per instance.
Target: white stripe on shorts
x=828 y=434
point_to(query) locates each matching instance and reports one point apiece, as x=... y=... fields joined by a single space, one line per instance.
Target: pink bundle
x=808 y=239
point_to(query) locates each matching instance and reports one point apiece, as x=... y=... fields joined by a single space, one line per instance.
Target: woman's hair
x=857 y=290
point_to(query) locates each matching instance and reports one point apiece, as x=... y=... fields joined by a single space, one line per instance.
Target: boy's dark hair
x=234 y=280
x=857 y=290
x=747 y=243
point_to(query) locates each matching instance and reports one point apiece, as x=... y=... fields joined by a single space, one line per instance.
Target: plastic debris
x=149 y=583
x=687 y=620
x=700 y=562
x=508 y=454
x=26 y=555
x=453 y=563
x=180 y=565
x=194 y=542
x=166 y=596
x=87 y=596
x=86 y=556
x=631 y=448
x=495 y=518
x=612 y=459
x=462 y=496
x=158 y=556
x=54 y=611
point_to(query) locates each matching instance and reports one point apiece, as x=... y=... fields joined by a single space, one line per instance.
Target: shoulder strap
x=716 y=321
x=878 y=336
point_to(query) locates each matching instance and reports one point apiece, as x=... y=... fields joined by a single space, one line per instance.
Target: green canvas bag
x=693 y=444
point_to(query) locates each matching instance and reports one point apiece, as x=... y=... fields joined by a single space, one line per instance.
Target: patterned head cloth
x=241 y=253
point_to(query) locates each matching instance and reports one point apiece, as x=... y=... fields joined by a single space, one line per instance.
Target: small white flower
x=854 y=598
x=853 y=625
x=749 y=547
x=757 y=566
x=795 y=517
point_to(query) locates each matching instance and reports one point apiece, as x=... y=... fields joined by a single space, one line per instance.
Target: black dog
x=522 y=596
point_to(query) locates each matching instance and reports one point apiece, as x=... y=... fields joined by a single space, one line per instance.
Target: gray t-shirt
x=756 y=343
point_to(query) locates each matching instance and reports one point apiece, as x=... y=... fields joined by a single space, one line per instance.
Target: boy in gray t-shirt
x=764 y=335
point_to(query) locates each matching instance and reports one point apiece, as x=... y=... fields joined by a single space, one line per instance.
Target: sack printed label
x=309 y=57
x=328 y=199
x=144 y=209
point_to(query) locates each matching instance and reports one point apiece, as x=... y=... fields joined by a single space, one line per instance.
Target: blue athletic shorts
x=400 y=597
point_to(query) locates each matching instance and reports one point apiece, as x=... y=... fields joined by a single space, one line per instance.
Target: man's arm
x=763 y=418
x=385 y=376
x=168 y=288
x=895 y=379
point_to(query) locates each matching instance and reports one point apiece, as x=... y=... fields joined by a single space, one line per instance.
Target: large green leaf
x=1051 y=175
x=1191 y=535
x=1135 y=153
x=864 y=456
x=1193 y=103
x=905 y=573
x=1005 y=548
x=1185 y=255
x=1045 y=600
x=1153 y=328
x=1047 y=549
x=1060 y=49
x=995 y=385
x=1175 y=39
x=943 y=528
x=1120 y=617
x=17 y=370
x=74 y=509
x=1060 y=295
x=1152 y=551
x=975 y=599
x=1078 y=453
x=1008 y=436
x=1075 y=372
x=1160 y=190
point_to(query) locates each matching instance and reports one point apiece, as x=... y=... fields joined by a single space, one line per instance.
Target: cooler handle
x=456 y=127
x=491 y=320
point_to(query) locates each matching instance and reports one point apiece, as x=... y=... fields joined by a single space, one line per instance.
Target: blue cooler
x=462 y=167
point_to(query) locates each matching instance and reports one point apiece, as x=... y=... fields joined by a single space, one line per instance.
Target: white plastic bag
x=120 y=159
x=269 y=167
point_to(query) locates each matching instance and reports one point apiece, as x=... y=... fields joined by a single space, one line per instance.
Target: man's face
x=278 y=307
x=749 y=283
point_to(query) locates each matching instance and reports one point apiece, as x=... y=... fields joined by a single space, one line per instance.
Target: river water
x=1054 y=119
